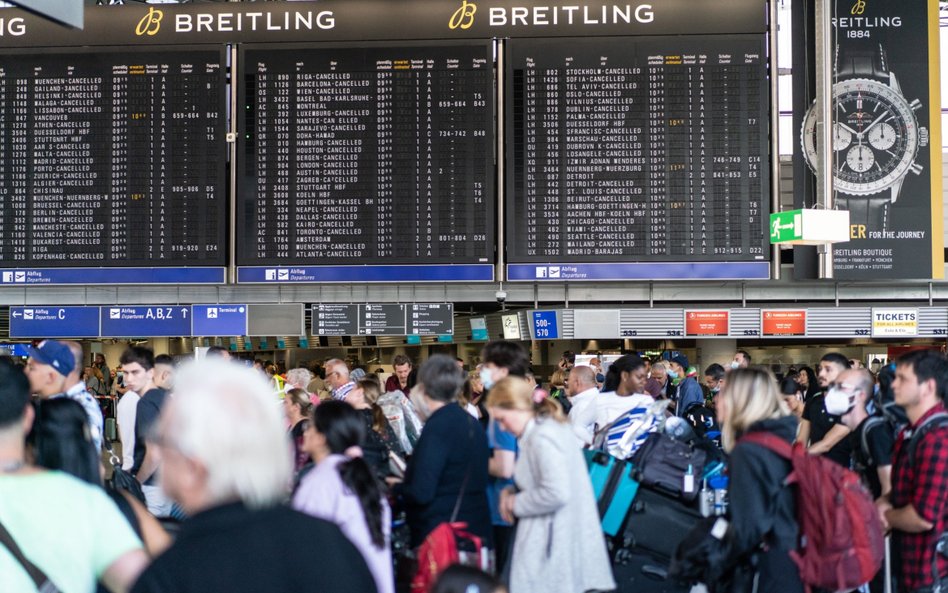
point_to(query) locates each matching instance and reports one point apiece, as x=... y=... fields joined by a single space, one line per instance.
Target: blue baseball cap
x=682 y=360
x=55 y=354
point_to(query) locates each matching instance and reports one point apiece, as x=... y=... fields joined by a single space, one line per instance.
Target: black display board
x=366 y=155
x=113 y=157
x=638 y=149
x=424 y=319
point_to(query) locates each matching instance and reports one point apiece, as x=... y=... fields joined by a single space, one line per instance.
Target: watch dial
x=882 y=137
x=860 y=158
x=875 y=136
x=842 y=138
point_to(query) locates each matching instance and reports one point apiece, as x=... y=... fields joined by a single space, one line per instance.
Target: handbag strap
x=467 y=476
x=39 y=578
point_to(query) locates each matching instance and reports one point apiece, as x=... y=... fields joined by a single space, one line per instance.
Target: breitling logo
x=858 y=8
x=150 y=23
x=463 y=17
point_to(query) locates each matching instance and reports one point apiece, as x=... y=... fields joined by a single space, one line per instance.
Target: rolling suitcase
x=638 y=572
x=614 y=486
x=657 y=523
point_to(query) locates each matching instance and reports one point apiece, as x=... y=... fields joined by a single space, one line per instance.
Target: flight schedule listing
x=378 y=154
x=645 y=149
x=113 y=157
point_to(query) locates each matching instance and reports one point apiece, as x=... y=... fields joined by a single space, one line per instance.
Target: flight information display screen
x=113 y=157
x=638 y=149
x=366 y=155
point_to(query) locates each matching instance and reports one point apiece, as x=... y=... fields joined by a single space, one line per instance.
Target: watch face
x=875 y=136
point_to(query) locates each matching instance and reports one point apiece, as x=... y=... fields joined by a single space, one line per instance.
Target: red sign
x=783 y=322
x=706 y=323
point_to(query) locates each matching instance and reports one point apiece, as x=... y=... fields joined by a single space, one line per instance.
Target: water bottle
x=706 y=499
x=719 y=485
x=689 y=481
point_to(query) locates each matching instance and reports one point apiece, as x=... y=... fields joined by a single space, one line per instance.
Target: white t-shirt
x=608 y=406
x=125 y=418
x=581 y=421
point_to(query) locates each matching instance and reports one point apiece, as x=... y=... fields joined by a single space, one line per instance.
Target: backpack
x=841 y=538
x=874 y=422
x=448 y=544
x=934 y=421
x=623 y=437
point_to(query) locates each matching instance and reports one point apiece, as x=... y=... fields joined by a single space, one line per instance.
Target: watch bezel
x=900 y=106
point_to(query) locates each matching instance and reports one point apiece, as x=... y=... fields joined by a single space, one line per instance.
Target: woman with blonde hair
x=559 y=546
x=761 y=507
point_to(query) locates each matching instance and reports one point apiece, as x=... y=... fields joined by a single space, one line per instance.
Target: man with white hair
x=337 y=373
x=226 y=462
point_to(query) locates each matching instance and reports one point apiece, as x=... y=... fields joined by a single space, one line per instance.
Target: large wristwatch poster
x=886 y=140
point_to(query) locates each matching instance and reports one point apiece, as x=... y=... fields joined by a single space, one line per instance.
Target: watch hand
x=847 y=128
x=878 y=119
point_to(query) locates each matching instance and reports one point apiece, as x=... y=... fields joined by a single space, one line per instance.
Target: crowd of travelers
x=445 y=479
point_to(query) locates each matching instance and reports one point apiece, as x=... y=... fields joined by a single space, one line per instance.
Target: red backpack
x=447 y=544
x=841 y=538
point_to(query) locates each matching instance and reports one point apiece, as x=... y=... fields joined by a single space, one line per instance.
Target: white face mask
x=735 y=364
x=838 y=402
x=487 y=378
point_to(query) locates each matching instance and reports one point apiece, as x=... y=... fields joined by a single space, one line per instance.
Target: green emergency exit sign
x=786 y=226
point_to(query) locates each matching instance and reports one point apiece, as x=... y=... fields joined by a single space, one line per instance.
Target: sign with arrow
x=54 y=322
x=151 y=321
x=785 y=226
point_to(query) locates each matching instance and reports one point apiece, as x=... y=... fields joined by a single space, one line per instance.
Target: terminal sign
x=152 y=321
x=707 y=323
x=219 y=320
x=783 y=322
x=896 y=323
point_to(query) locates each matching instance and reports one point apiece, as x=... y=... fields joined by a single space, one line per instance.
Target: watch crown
x=916 y=168
x=922 y=136
x=915 y=105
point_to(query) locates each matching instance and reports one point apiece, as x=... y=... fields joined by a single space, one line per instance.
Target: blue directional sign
x=54 y=322
x=219 y=320
x=544 y=325
x=152 y=321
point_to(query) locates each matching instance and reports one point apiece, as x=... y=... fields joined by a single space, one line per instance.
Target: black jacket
x=452 y=445
x=278 y=550
x=762 y=508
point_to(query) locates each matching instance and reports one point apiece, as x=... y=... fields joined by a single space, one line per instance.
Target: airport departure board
x=371 y=154
x=113 y=157
x=638 y=149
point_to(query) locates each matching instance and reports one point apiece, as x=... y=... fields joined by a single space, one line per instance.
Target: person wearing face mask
x=624 y=389
x=714 y=379
x=689 y=392
x=872 y=438
x=741 y=360
x=821 y=430
x=501 y=359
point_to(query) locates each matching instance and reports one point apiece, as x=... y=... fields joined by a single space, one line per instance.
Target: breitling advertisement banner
x=886 y=140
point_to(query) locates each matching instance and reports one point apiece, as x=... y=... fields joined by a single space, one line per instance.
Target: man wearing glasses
x=337 y=374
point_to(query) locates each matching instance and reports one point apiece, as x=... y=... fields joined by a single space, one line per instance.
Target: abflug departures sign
x=342 y=20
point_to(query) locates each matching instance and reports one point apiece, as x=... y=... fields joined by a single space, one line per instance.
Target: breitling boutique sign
x=886 y=139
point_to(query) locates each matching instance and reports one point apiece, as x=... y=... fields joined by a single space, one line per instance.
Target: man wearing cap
x=689 y=392
x=53 y=371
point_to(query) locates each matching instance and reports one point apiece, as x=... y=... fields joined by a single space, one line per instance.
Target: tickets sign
x=707 y=323
x=894 y=323
x=783 y=322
